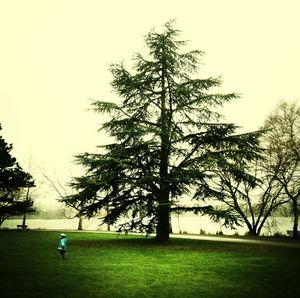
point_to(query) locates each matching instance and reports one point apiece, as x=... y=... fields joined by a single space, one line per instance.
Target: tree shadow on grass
x=184 y=245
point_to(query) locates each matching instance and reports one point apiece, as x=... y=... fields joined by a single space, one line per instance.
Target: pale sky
x=55 y=55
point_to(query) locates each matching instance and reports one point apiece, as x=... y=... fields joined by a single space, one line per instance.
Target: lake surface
x=190 y=224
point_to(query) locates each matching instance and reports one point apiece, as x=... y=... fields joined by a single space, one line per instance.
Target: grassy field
x=105 y=265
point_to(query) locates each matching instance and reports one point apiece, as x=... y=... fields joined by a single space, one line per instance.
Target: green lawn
x=105 y=265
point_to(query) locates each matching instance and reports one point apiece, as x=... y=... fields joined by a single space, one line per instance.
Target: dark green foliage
x=12 y=181
x=167 y=136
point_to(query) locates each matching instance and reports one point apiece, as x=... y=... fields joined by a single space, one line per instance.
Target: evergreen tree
x=167 y=134
x=13 y=182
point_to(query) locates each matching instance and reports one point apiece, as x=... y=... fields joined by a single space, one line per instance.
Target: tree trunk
x=79 y=223
x=251 y=227
x=162 y=229
x=27 y=200
x=296 y=215
x=266 y=216
x=163 y=224
x=107 y=211
x=163 y=215
x=24 y=219
x=253 y=231
x=170 y=224
x=259 y=229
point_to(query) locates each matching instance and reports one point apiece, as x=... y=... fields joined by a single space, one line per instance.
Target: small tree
x=166 y=136
x=29 y=193
x=73 y=209
x=13 y=182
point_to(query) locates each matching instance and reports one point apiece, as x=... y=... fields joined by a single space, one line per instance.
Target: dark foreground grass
x=105 y=265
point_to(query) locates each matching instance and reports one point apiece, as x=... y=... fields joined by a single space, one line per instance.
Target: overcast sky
x=55 y=55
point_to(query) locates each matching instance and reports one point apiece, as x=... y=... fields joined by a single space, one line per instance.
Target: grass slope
x=105 y=265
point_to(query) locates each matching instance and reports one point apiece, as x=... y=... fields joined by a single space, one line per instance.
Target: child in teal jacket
x=62 y=245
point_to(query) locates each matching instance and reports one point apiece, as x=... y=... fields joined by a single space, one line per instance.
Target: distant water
x=54 y=224
x=191 y=224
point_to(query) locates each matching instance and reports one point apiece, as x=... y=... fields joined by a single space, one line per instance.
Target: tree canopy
x=167 y=134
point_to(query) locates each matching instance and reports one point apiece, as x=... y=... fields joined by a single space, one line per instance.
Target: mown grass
x=107 y=265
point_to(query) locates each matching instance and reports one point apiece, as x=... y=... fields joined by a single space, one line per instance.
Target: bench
x=290 y=233
x=23 y=227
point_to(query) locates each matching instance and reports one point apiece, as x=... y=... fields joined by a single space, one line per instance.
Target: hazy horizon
x=55 y=57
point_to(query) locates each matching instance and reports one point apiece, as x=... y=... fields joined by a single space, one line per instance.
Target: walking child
x=62 y=245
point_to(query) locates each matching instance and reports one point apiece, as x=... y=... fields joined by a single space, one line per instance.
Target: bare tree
x=283 y=146
x=247 y=189
x=29 y=193
x=70 y=211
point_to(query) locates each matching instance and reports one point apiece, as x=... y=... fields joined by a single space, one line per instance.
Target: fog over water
x=190 y=224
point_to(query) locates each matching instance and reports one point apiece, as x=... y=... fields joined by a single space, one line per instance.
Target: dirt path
x=278 y=242
x=281 y=243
